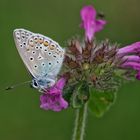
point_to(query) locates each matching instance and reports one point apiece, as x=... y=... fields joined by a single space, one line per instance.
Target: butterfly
x=42 y=56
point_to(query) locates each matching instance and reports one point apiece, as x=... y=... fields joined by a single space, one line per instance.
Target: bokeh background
x=20 y=115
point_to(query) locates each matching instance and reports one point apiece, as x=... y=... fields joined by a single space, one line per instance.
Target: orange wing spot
x=32 y=46
x=46 y=43
x=51 y=47
x=40 y=41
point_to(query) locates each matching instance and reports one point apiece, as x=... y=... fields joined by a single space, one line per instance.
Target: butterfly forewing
x=41 y=55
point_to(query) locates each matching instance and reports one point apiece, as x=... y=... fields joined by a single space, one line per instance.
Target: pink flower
x=52 y=98
x=130 y=57
x=130 y=49
x=90 y=23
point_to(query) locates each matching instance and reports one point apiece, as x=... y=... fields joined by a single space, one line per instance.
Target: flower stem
x=80 y=122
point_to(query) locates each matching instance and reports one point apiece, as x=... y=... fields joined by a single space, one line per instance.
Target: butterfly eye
x=34 y=84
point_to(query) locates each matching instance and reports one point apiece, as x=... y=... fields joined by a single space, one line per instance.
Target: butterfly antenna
x=16 y=85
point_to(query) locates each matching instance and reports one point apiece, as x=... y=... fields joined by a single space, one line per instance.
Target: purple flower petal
x=131 y=58
x=61 y=83
x=55 y=103
x=99 y=25
x=52 y=98
x=133 y=65
x=130 y=49
x=89 y=22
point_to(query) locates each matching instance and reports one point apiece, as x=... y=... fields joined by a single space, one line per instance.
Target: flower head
x=91 y=67
x=90 y=23
x=52 y=98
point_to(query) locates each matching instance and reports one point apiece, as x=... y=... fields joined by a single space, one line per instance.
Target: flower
x=90 y=23
x=95 y=63
x=52 y=98
x=130 y=57
x=91 y=66
x=133 y=48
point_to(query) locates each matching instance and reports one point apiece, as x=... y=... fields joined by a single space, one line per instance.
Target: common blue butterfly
x=42 y=56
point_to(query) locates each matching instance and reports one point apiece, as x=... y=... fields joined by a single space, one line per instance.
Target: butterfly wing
x=41 y=55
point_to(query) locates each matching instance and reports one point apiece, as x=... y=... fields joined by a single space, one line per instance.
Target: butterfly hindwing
x=41 y=55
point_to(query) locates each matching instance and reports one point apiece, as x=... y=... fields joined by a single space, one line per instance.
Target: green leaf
x=100 y=102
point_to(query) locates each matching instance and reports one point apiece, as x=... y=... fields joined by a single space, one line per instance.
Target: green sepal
x=80 y=95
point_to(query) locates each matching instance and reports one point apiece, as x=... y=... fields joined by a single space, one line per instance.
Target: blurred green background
x=20 y=115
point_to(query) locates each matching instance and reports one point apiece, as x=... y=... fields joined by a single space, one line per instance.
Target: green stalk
x=80 y=123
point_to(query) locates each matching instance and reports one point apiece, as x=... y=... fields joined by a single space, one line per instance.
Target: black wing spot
x=36 y=47
x=33 y=52
x=43 y=64
x=35 y=66
x=31 y=58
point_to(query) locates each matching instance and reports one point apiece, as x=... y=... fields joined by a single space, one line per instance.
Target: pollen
x=86 y=66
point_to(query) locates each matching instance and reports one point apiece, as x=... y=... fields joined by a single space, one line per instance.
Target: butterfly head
x=42 y=83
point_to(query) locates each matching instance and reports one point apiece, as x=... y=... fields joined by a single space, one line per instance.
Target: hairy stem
x=80 y=122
